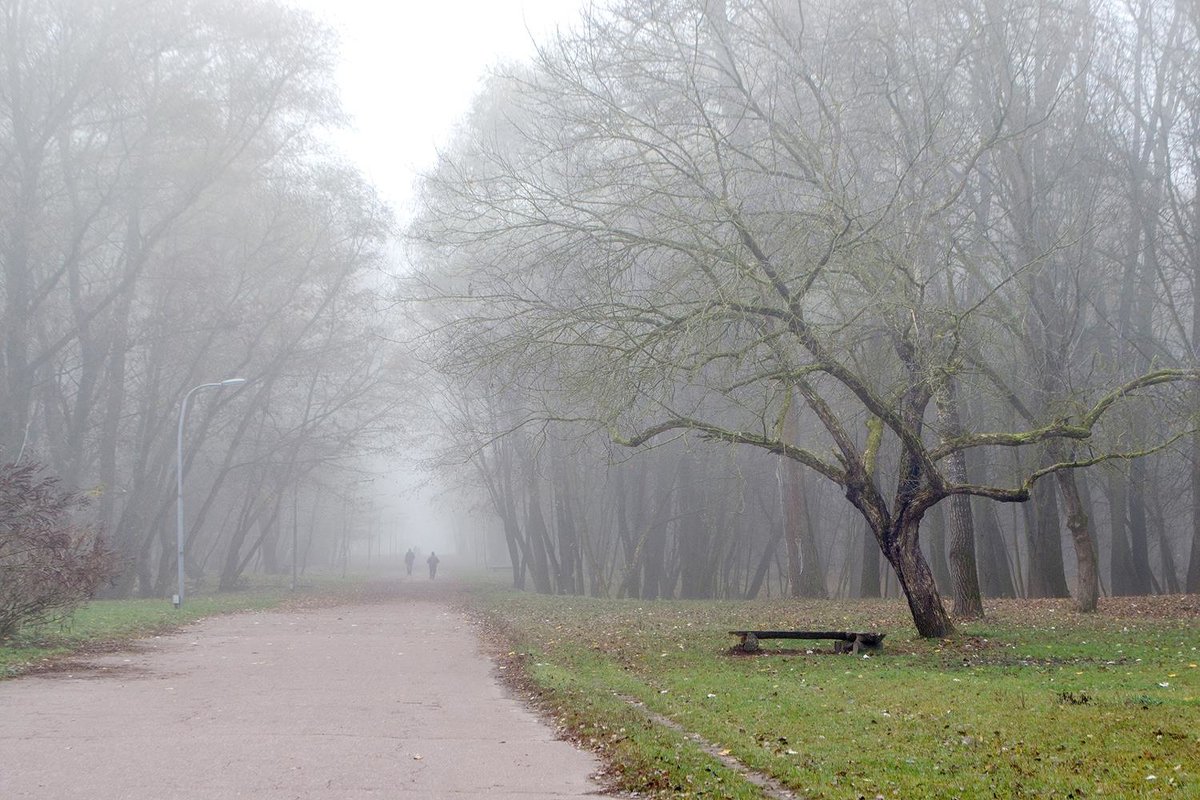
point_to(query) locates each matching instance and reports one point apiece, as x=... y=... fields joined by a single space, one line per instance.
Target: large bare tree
x=686 y=213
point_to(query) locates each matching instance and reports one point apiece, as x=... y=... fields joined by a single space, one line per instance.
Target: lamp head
x=233 y=382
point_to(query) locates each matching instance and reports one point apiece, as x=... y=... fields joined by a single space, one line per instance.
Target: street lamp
x=179 y=476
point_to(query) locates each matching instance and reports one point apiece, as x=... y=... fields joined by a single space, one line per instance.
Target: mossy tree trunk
x=1193 y=572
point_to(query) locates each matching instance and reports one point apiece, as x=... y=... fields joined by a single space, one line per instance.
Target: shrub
x=49 y=562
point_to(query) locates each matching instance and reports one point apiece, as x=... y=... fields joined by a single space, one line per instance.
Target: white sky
x=410 y=68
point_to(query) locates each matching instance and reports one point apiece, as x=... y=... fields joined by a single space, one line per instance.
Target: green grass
x=104 y=624
x=1034 y=701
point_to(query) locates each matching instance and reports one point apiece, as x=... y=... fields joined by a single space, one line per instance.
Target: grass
x=106 y=624
x=1033 y=701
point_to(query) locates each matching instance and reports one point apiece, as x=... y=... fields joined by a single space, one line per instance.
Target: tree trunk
x=934 y=549
x=1192 y=245
x=1044 y=571
x=1087 y=593
x=268 y=532
x=652 y=551
x=654 y=556
x=515 y=543
x=899 y=535
x=693 y=535
x=1139 y=544
x=249 y=515
x=535 y=529
x=498 y=480
x=869 y=580
x=806 y=578
x=1193 y=571
x=1120 y=567
x=916 y=581
x=995 y=572
x=764 y=562
x=568 y=540
x=625 y=532
x=269 y=547
x=1170 y=575
x=964 y=573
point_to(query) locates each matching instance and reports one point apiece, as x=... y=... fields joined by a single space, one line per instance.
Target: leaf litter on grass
x=998 y=709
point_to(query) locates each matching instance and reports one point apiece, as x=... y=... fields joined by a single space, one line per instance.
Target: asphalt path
x=390 y=699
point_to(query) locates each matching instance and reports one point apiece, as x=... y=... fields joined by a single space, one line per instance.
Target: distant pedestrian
x=409 y=558
x=432 y=561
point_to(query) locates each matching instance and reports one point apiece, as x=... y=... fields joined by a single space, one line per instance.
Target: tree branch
x=709 y=431
x=1061 y=429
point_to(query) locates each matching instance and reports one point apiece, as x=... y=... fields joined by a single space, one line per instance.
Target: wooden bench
x=844 y=641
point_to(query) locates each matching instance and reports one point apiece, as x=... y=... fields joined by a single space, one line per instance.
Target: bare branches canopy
x=925 y=224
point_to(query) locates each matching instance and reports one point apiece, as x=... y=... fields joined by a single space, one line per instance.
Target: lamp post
x=179 y=476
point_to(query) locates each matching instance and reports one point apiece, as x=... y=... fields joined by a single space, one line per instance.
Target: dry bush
x=49 y=562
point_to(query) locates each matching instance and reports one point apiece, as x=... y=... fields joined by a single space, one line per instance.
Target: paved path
x=389 y=700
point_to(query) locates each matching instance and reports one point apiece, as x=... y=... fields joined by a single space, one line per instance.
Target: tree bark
x=1087 y=592
x=568 y=540
x=654 y=555
x=868 y=585
x=934 y=548
x=916 y=581
x=964 y=573
x=516 y=547
x=539 y=535
x=1193 y=571
x=768 y=554
x=1044 y=570
x=995 y=572
x=806 y=578
x=693 y=536
x=1120 y=567
x=1139 y=544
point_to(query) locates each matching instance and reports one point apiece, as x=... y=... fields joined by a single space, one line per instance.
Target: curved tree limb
x=1062 y=429
x=710 y=431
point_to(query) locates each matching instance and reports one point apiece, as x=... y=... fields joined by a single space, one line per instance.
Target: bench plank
x=855 y=640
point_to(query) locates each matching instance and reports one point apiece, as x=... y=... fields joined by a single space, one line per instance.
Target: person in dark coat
x=409 y=558
x=432 y=561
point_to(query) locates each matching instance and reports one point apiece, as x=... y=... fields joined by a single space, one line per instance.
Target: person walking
x=432 y=561
x=409 y=558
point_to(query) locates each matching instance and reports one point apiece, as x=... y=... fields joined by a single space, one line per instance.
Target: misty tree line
x=724 y=298
x=837 y=298
x=169 y=217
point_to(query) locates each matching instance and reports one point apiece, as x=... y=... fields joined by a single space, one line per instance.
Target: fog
x=407 y=73
x=701 y=299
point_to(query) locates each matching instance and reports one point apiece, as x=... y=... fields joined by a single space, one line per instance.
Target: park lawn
x=102 y=625
x=1033 y=701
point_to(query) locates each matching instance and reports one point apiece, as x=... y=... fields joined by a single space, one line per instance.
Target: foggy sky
x=408 y=73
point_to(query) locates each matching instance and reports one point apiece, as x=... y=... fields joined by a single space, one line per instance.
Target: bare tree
x=169 y=217
x=685 y=215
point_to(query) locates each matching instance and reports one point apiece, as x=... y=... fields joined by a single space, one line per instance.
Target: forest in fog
x=894 y=297
x=712 y=298
x=168 y=218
